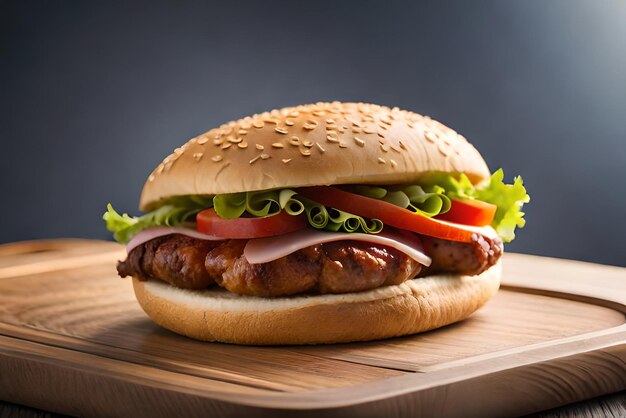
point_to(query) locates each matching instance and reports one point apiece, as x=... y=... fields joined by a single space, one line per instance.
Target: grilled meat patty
x=176 y=259
x=336 y=267
x=460 y=257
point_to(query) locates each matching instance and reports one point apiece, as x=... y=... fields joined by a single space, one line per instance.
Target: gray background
x=95 y=94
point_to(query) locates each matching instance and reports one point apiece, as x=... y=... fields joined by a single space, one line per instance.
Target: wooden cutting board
x=73 y=340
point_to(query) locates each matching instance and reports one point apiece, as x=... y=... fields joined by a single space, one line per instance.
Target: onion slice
x=152 y=233
x=264 y=250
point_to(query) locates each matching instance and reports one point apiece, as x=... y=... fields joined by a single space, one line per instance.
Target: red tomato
x=209 y=222
x=470 y=212
x=388 y=213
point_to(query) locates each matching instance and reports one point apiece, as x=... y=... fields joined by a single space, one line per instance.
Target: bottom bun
x=414 y=306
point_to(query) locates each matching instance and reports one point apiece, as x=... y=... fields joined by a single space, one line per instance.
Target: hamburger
x=324 y=223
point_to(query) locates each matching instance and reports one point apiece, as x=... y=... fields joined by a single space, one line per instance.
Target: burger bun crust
x=313 y=145
x=414 y=306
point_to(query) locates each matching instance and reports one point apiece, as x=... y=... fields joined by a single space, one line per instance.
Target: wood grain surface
x=73 y=340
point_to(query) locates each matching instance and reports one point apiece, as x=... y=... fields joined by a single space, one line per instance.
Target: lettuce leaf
x=271 y=202
x=508 y=198
x=174 y=212
x=430 y=198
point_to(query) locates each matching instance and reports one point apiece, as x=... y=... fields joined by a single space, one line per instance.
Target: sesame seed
x=246 y=125
x=381 y=160
x=442 y=150
x=159 y=169
x=218 y=141
x=259 y=147
x=203 y=140
x=258 y=124
x=235 y=140
x=429 y=136
x=151 y=178
x=356 y=130
x=319 y=113
x=393 y=147
x=242 y=132
x=384 y=147
x=342 y=144
x=369 y=130
x=286 y=160
x=330 y=121
x=307 y=144
x=278 y=145
x=402 y=145
x=280 y=130
x=320 y=147
x=227 y=145
x=294 y=114
x=197 y=156
x=305 y=152
x=393 y=163
x=252 y=161
x=265 y=156
x=242 y=145
x=386 y=121
x=216 y=158
x=294 y=140
x=289 y=122
x=331 y=138
x=359 y=141
x=270 y=120
x=167 y=167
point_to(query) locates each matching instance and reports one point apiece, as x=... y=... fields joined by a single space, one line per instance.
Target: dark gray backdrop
x=95 y=94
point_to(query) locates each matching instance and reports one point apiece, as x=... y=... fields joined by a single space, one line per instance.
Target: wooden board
x=73 y=340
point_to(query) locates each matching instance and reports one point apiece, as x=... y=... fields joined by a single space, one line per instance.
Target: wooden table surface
x=60 y=302
x=613 y=405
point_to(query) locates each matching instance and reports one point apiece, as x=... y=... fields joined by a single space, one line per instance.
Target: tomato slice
x=470 y=212
x=388 y=213
x=209 y=222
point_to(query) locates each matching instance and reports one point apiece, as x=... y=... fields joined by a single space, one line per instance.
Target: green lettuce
x=271 y=202
x=173 y=212
x=430 y=198
x=508 y=198
x=428 y=201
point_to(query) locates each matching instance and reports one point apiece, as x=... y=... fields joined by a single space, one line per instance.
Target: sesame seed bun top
x=311 y=145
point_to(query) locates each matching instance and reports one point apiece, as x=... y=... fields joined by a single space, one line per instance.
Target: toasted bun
x=313 y=145
x=414 y=306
